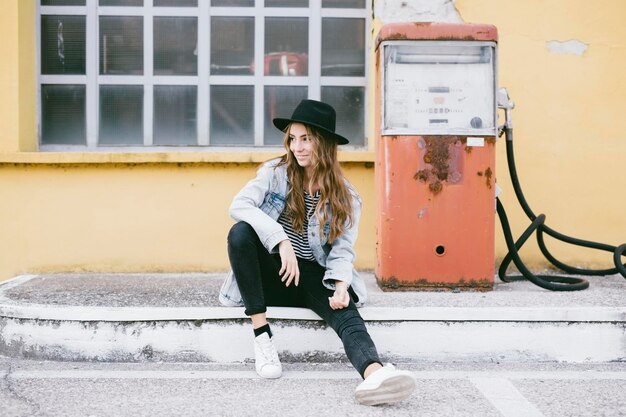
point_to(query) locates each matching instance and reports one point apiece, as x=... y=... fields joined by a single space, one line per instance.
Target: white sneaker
x=385 y=385
x=266 y=359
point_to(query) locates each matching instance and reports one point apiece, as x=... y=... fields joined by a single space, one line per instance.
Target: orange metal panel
x=435 y=194
x=435 y=226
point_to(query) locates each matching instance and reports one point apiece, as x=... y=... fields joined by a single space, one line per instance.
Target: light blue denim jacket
x=260 y=203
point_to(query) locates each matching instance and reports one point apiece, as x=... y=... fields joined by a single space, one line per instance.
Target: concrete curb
x=407 y=314
x=33 y=311
x=222 y=334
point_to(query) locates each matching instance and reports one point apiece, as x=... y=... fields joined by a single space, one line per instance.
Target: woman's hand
x=340 y=298
x=289 y=263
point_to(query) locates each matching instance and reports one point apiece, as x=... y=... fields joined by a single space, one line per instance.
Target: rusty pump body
x=435 y=155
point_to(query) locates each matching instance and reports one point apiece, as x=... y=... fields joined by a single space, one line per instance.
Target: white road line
x=503 y=395
x=308 y=375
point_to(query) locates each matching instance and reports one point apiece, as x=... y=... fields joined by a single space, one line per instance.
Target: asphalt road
x=35 y=388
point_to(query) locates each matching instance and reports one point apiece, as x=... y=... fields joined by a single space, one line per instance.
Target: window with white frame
x=150 y=73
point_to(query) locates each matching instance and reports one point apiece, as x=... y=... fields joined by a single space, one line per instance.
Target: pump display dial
x=439 y=88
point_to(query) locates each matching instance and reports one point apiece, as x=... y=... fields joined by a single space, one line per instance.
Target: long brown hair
x=328 y=175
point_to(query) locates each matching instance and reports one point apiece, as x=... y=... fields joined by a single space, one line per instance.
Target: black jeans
x=256 y=272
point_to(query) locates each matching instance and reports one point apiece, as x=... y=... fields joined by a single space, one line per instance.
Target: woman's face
x=301 y=145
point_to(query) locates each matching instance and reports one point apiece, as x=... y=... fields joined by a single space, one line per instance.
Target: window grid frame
x=92 y=79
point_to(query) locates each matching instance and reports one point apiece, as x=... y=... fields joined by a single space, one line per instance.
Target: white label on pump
x=475 y=141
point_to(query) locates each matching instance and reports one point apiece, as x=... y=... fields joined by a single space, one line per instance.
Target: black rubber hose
x=549 y=282
x=539 y=225
x=520 y=241
x=617 y=256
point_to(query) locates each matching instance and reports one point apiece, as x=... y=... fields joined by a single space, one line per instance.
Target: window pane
x=121 y=45
x=343 y=47
x=286 y=46
x=347 y=4
x=175 y=115
x=63 y=115
x=175 y=45
x=232 y=115
x=232 y=3
x=62 y=2
x=121 y=2
x=232 y=45
x=62 y=44
x=178 y=3
x=280 y=101
x=349 y=104
x=286 y=3
x=121 y=115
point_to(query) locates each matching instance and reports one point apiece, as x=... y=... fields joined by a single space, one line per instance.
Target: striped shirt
x=300 y=241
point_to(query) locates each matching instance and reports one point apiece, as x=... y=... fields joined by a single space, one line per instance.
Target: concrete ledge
x=488 y=314
x=226 y=341
x=87 y=317
x=39 y=302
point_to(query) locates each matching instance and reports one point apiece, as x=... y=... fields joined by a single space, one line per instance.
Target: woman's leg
x=347 y=322
x=382 y=384
x=244 y=260
x=256 y=272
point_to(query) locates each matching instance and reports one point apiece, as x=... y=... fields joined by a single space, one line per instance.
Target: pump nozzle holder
x=505 y=102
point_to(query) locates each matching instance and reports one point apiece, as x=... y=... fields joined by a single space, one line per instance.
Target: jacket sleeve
x=246 y=207
x=340 y=261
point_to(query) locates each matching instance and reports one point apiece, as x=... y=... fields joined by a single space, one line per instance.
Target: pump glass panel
x=439 y=88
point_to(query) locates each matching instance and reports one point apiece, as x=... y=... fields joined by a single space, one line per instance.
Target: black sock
x=262 y=329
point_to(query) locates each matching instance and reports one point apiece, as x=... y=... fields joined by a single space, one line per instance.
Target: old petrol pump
x=436 y=129
x=435 y=167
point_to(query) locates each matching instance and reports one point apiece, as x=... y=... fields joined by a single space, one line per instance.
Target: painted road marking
x=496 y=387
x=308 y=375
x=503 y=395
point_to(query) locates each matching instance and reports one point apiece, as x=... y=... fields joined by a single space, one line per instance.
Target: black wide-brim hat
x=313 y=113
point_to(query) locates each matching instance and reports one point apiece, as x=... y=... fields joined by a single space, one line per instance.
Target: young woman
x=293 y=244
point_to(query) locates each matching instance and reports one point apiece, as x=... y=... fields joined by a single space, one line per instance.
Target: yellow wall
x=112 y=217
x=17 y=76
x=167 y=211
x=26 y=75
x=9 y=112
x=570 y=144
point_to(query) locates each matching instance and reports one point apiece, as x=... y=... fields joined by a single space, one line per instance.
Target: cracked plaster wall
x=574 y=47
x=389 y=11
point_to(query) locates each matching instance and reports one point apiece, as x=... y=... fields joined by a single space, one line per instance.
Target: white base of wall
x=228 y=340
